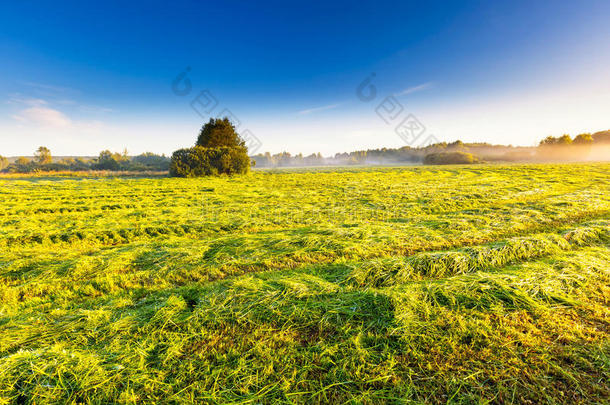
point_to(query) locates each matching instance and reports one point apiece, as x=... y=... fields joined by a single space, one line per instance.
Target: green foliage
x=151 y=161
x=351 y=285
x=548 y=141
x=583 y=139
x=219 y=132
x=450 y=158
x=219 y=150
x=22 y=165
x=43 y=155
x=564 y=139
x=110 y=161
x=107 y=161
x=456 y=145
x=3 y=162
x=200 y=161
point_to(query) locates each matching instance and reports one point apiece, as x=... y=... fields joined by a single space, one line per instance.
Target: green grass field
x=370 y=285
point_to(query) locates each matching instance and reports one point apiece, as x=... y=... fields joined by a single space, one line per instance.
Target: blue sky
x=79 y=77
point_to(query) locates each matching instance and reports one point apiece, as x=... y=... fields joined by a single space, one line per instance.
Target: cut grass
x=393 y=285
x=537 y=330
x=442 y=264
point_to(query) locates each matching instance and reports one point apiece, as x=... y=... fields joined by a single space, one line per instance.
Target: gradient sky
x=79 y=77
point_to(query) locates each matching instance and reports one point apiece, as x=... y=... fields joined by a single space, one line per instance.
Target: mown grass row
x=480 y=227
x=66 y=200
x=532 y=333
x=82 y=275
x=396 y=270
x=371 y=204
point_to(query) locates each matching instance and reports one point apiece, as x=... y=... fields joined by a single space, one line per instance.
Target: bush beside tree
x=199 y=161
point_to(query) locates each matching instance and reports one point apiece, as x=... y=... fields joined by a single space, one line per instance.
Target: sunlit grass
x=486 y=284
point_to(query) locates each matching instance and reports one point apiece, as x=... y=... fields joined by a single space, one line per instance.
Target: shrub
x=108 y=161
x=200 y=161
x=22 y=165
x=450 y=158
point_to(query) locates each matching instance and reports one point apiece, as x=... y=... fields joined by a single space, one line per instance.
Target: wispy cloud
x=38 y=112
x=95 y=109
x=317 y=109
x=43 y=116
x=49 y=87
x=31 y=101
x=415 y=89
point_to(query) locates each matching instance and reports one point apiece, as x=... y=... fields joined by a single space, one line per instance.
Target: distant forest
x=563 y=148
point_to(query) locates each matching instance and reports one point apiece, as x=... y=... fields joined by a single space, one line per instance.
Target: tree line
x=220 y=150
x=43 y=161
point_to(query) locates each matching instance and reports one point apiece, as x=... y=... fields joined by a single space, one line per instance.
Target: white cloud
x=43 y=116
x=34 y=102
x=42 y=113
x=414 y=89
x=316 y=109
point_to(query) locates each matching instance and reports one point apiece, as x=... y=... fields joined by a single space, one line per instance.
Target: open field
x=417 y=284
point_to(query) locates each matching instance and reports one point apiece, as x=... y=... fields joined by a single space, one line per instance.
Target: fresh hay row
x=390 y=271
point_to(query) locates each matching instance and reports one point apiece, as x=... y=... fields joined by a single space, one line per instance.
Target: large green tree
x=219 y=132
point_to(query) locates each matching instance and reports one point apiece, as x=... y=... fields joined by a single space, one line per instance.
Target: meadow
x=455 y=284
